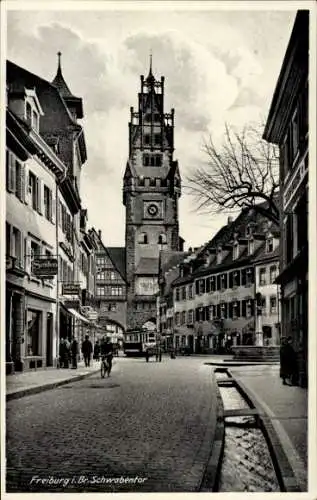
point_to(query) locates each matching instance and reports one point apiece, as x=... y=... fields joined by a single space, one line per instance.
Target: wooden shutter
x=244 y=309
x=207 y=285
x=23 y=183
x=18 y=179
x=207 y=313
x=218 y=282
x=197 y=287
x=11 y=180
x=243 y=277
x=225 y=280
x=40 y=198
x=230 y=309
x=231 y=280
x=27 y=255
x=238 y=309
x=53 y=207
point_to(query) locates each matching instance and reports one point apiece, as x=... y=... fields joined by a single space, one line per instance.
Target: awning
x=78 y=316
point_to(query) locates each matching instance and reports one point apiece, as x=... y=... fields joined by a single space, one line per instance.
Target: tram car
x=136 y=343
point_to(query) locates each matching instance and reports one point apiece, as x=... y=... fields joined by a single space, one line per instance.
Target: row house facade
x=287 y=127
x=110 y=287
x=45 y=151
x=217 y=297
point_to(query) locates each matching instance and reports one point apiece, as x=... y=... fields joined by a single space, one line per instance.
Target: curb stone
x=42 y=388
x=283 y=469
x=211 y=474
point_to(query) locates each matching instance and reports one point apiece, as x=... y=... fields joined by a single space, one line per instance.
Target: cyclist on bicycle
x=106 y=351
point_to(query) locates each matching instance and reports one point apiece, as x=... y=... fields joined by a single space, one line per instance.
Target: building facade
x=217 y=299
x=110 y=286
x=45 y=152
x=33 y=171
x=287 y=127
x=151 y=189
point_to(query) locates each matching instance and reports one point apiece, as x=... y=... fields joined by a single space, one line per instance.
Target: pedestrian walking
x=67 y=353
x=86 y=349
x=62 y=352
x=74 y=352
x=97 y=351
x=288 y=361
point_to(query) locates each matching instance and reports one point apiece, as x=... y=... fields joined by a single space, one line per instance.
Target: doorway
x=49 y=339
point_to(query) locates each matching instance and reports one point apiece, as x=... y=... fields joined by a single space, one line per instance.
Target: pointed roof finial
x=59 y=67
x=150 y=79
x=59 y=81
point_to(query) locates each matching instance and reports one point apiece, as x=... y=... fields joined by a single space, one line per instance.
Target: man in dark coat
x=74 y=352
x=86 y=349
x=97 y=351
x=288 y=361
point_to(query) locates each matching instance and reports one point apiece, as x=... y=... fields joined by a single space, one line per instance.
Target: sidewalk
x=23 y=384
x=286 y=409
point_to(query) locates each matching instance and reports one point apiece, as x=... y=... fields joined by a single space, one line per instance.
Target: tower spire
x=59 y=67
x=150 y=78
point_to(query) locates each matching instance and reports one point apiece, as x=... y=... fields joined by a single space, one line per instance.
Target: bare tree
x=242 y=172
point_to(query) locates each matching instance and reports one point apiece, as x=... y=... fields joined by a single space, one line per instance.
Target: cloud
x=215 y=70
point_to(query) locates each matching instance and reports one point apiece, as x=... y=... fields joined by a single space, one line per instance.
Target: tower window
x=143 y=238
x=162 y=240
x=141 y=181
x=152 y=182
x=147 y=117
x=147 y=139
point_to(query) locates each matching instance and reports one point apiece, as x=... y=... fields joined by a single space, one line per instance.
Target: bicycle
x=105 y=366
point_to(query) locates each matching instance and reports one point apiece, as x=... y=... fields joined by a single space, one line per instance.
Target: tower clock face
x=153 y=210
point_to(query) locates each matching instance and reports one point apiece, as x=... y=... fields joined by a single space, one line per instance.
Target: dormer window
x=269 y=245
x=250 y=247
x=235 y=251
x=219 y=255
x=33 y=109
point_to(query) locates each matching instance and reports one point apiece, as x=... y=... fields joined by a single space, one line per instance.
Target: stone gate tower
x=151 y=189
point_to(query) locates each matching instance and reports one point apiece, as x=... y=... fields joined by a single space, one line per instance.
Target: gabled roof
x=117 y=256
x=19 y=78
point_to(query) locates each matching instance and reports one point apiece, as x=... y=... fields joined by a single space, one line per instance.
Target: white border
x=75 y=5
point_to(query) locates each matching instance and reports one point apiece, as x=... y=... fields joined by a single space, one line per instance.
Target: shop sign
x=70 y=289
x=67 y=247
x=45 y=266
x=72 y=304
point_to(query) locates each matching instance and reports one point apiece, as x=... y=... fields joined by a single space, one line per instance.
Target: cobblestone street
x=154 y=421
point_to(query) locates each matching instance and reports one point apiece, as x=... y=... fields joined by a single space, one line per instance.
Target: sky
x=219 y=67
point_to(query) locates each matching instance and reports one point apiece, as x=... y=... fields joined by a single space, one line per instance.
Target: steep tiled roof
x=148 y=266
x=170 y=258
x=117 y=255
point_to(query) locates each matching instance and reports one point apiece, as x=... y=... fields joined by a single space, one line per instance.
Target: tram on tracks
x=137 y=342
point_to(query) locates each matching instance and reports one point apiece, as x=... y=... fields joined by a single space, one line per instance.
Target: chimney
x=230 y=220
x=99 y=234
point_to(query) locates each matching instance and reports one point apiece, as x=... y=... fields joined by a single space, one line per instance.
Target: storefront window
x=33 y=333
